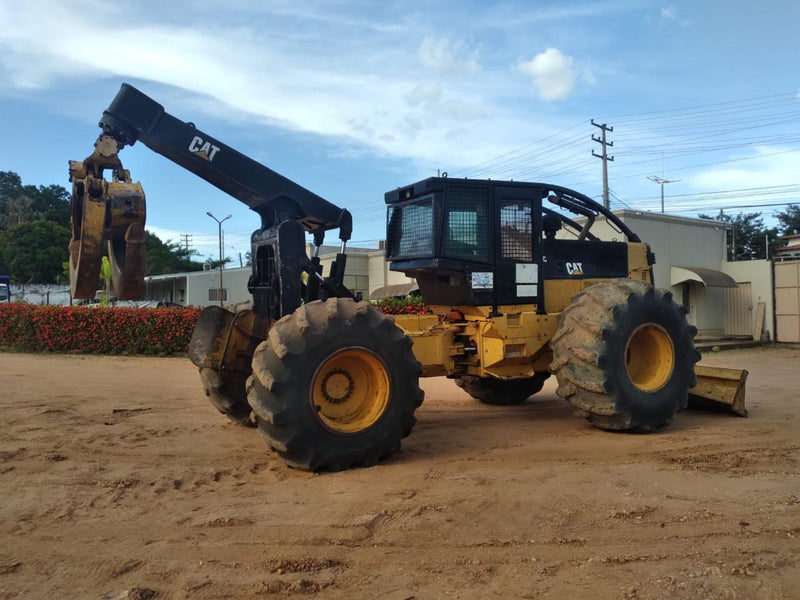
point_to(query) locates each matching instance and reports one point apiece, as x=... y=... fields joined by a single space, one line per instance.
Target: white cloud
x=669 y=13
x=767 y=166
x=447 y=56
x=362 y=89
x=553 y=73
x=427 y=92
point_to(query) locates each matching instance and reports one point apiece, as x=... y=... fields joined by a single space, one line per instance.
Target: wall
x=759 y=274
x=379 y=273
x=678 y=241
x=40 y=293
x=787 y=299
x=234 y=281
x=356 y=273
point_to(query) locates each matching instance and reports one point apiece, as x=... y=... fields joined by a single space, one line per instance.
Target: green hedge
x=100 y=330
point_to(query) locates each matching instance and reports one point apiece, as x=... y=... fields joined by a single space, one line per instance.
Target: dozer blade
x=719 y=388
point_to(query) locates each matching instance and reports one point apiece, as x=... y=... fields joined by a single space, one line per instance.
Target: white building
x=202 y=288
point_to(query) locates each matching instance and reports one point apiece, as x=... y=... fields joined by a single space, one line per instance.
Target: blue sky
x=351 y=99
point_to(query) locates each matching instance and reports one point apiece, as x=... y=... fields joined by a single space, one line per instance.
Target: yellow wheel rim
x=649 y=357
x=350 y=390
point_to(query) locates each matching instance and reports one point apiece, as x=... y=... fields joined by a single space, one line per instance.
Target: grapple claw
x=112 y=211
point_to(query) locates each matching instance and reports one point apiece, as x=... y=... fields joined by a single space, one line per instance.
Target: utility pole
x=602 y=141
x=240 y=255
x=661 y=181
x=187 y=237
x=219 y=222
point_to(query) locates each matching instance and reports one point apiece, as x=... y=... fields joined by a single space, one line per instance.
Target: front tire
x=624 y=356
x=334 y=386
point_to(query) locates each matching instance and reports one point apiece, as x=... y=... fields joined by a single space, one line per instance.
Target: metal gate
x=787 y=301
x=739 y=309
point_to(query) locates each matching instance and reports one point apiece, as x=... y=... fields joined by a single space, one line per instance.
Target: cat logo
x=205 y=150
x=574 y=268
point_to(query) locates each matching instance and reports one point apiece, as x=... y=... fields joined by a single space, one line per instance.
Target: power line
x=465 y=170
x=783 y=95
x=732 y=207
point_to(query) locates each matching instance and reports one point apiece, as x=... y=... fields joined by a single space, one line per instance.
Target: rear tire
x=501 y=392
x=624 y=356
x=334 y=386
x=226 y=389
x=228 y=395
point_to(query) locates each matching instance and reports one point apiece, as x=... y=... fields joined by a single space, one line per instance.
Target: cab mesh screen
x=516 y=230
x=467 y=226
x=409 y=230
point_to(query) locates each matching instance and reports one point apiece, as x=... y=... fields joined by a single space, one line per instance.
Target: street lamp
x=661 y=181
x=220 y=250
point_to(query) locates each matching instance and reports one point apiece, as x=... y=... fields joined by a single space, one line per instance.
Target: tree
x=34 y=251
x=168 y=257
x=747 y=236
x=214 y=264
x=789 y=220
x=34 y=235
x=25 y=203
x=51 y=202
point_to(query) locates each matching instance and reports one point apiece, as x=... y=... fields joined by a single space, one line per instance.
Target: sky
x=353 y=98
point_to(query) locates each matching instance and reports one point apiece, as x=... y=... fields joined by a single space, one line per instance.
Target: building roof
x=653 y=216
x=397 y=289
x=324 y=251
x=190 y=274
x=708 y=277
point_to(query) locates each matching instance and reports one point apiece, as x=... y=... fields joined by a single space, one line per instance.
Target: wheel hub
x=337 y=386
x=649 y=357
x=350 y=390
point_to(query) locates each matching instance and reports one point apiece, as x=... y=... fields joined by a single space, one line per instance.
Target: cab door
x=518 y=221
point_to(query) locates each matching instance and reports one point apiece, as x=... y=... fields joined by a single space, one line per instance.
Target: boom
x=132 y=116
x=114 y=211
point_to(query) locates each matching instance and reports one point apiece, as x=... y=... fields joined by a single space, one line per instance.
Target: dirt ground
x=120 y=480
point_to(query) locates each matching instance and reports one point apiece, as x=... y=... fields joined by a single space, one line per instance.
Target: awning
x=708 y=277
x=389 y=291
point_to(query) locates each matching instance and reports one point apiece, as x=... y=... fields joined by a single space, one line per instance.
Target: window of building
x=214 y=295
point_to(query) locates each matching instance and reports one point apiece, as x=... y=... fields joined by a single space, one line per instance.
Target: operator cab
x=474 y=242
